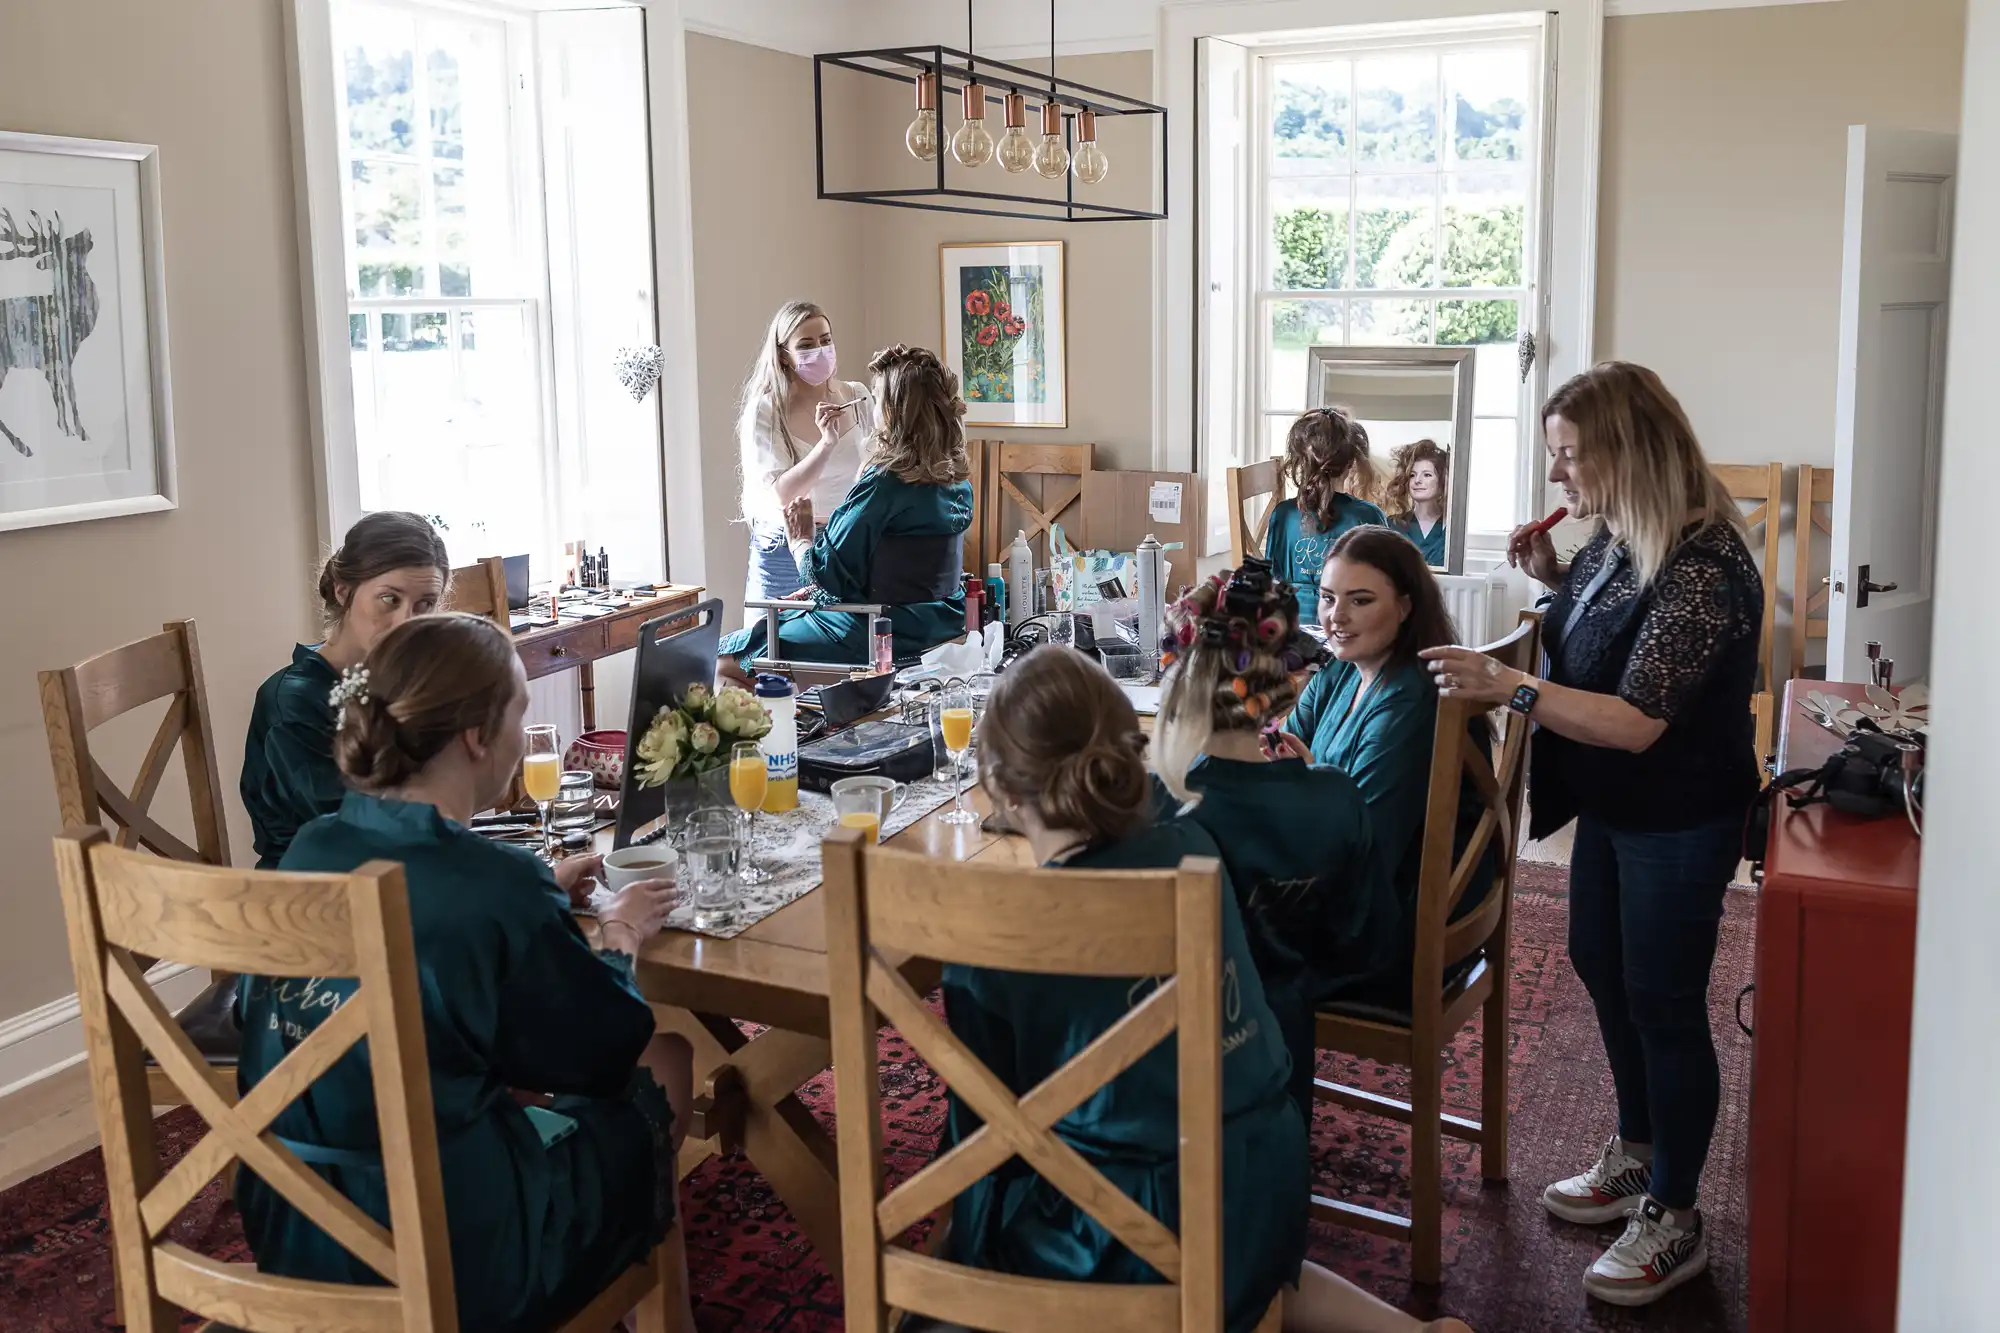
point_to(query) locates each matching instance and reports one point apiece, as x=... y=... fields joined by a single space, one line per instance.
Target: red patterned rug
x=1510 y=1268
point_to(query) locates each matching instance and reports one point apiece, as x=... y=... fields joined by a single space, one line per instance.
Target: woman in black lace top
x=1645 y=738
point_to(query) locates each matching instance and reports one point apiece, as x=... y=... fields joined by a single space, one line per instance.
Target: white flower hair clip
x=353 y=688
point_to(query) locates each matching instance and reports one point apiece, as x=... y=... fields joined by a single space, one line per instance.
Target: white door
x=1894 y=280
x=1222 y=81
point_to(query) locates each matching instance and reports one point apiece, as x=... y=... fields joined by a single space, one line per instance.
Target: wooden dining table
x=774 y=975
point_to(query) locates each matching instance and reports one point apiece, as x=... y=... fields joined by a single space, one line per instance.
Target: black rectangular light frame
x=954 y=69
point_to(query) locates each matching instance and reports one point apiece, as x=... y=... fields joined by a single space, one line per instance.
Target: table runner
x=787 y=846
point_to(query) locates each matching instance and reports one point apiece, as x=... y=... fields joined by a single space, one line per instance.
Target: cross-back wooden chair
x=479 y=589
x=1058 y=498
x=883 y=905
x=121 y=904
x=1809 y=597
x=1266 y=481
x=1763 y=484
x=1474 y=948
x=78 y=700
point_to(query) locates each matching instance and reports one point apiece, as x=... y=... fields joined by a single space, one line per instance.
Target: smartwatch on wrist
x=1525 y=695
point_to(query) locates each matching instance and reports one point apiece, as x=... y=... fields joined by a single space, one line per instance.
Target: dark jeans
x=1643 y=914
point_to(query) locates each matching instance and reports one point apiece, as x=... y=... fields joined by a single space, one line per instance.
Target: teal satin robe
x=289 y=777
x=1385 y=746
x=543 y=1210
x=1318 y=910
x=1430 y=543
x=1025 y=1026
x=841 y=566
x=1297 y=548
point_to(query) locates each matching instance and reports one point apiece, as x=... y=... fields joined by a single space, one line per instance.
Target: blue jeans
x=773 y=571
x=1644 y=909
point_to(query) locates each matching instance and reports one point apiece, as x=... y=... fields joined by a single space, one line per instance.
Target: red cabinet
x=1836 y=953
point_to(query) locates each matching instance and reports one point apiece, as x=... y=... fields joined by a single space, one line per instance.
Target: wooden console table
x=578 y=644
x=1836 y=967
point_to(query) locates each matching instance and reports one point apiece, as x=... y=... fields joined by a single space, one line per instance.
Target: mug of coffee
x=629 y=865
x=856 y=793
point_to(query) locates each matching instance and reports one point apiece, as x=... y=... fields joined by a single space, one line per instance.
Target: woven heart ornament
x=639 y=369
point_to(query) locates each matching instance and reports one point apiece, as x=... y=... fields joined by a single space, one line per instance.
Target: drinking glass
x=711 y=843
x=860 y=810
x=955 y=726
x=541 y=775
x=749 y=775
x=576 y=801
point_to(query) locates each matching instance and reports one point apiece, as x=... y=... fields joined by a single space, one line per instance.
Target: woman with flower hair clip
x=1318 y=909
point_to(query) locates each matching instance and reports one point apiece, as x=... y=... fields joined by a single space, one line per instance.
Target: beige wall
x=1721 y=198
x=205 y=80
x=1110 y=264
x=761 y=237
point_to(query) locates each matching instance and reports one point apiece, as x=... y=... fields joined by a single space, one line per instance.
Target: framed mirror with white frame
x=1416 y=405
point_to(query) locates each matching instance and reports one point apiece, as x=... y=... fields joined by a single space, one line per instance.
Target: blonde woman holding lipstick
x=802 y=434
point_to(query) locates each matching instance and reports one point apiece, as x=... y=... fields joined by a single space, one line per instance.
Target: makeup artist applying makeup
x=801 y=433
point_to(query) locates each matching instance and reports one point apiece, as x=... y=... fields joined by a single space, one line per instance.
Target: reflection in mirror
x=1413 y=406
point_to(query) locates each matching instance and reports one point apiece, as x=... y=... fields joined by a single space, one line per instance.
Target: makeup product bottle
x=996 y=591
x=882 y=642
x=603 y=569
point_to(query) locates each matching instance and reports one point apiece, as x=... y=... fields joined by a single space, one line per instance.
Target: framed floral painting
x=1005 y=330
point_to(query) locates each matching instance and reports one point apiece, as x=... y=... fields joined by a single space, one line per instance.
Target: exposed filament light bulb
x=1017 y=150
x=1089 y=162
x=1051 y=157
x=922 y=137
x=972 y=145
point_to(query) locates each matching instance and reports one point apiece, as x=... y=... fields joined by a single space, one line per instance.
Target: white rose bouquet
x=695 y=736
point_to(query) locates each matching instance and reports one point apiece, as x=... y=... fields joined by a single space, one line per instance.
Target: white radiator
x=1476 y=602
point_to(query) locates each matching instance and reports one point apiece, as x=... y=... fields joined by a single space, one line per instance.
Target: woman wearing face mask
x=802 y=433
x=544 y=1205
x=1415 y=497
x=897 y=540
x=1644 y=737
x=391 y=567
x=1373 y=714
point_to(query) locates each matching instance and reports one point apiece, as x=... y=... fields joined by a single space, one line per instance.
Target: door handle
x=1865 y=587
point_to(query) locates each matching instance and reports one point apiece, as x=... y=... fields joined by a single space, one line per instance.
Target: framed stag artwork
x=1006 y=330
x=86 y=425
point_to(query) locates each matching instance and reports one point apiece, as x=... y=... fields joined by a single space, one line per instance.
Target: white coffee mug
x=629 y=865
x=889 y=793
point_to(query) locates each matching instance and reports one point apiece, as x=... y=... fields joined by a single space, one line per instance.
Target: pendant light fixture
x=1066 y=150
x=1017 y=150
x=1088 y=161
x=922 y=136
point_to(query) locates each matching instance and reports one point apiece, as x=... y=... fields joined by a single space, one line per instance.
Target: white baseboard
x=47 y=1040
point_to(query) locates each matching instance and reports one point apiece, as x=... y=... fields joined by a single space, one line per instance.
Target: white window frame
x=1264 y=63
x=322 y=169
x=1568 y=239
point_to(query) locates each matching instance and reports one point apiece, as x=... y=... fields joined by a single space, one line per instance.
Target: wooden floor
x=44 y=1124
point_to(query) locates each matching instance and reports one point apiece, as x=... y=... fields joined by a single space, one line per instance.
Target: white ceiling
x=1006 y=29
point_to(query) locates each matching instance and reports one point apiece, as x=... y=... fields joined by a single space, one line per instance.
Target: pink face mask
x=815 y=365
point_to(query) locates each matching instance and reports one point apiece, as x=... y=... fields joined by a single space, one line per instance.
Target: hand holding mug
x=575 y=876
x=638 y=913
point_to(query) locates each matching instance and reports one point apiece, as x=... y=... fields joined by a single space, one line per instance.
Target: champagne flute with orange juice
x=541 y=775
x=749 y=780
x=955 y=725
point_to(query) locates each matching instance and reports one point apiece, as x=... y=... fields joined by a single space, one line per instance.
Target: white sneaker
x=1608 y=1191
x=1652 y=1258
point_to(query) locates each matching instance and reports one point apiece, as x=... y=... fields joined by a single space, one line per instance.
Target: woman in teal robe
x=1429 y=540
x=545 y=1204
x=897 y=539
x=1327 y=462
x=391 y=566
x=1062 y=757
x=1373 y=713
x=1319 y=916
x=860 y=557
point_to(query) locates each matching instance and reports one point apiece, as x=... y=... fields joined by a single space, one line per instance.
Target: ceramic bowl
x=602 y=755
